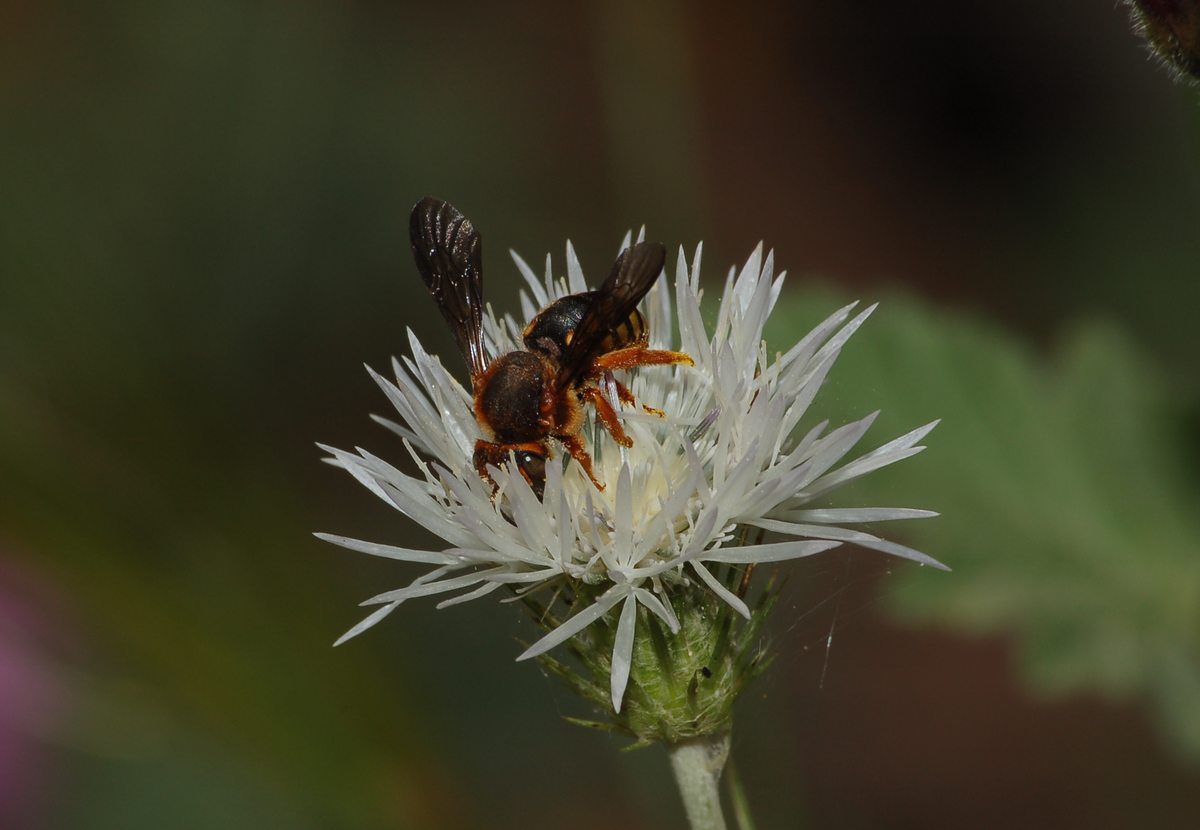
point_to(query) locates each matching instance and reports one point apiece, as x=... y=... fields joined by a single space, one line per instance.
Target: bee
x=527 y=396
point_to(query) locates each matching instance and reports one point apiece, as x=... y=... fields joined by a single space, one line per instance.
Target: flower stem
x=697 y=764
x=737 y=797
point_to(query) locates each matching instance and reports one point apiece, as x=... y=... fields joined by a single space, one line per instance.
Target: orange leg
x=573 y=444
x=629 y=358
x=626 y=397
x=634 y=356
x=623 y=393
x=607 y=416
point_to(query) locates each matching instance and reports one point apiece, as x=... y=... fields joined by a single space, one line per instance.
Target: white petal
x=578 y=622
x=693 y=338
x=368 y=621
x=838 y=340
x=661 y=608
x=623 y=518
x=575 y=280
x=773 y=552
x=853 y=515
x=865 y=540
x=350 y=463
x=424 y=589
x=428 y=557
x=401 y=430
x=483 y=590
x=803 y=351
x=829 y=450
x=720 y=590
x=891 y=452
x=622 y=656
x=540 y=297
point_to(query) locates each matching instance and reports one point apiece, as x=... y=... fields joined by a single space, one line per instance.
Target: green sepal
x=682 y=685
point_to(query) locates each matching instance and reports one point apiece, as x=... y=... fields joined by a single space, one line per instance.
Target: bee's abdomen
x=553 y=329
x=630 y=331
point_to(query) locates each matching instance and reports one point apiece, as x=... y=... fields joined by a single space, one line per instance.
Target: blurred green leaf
x=1069 y=516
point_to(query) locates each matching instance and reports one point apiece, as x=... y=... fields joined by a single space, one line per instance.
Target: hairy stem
x=697 y=764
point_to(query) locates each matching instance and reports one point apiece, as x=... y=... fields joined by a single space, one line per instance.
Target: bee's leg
x=623 y=393
x=607 y=415
x=626 y=397
x=633 y=356
x=573 y=444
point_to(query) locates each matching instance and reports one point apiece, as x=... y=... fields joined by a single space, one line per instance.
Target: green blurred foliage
x=1068 y=491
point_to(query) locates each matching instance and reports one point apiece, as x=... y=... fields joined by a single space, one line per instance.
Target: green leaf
x=1068 y=515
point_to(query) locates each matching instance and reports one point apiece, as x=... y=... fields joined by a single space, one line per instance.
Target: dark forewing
x=448 y=252
x=632 y=276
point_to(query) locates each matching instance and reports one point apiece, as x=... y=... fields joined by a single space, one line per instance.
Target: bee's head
x=532 y=464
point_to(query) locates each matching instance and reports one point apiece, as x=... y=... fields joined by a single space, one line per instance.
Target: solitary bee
x=524 y=397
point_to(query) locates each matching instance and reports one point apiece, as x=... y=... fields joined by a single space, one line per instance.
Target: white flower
x=723 y=457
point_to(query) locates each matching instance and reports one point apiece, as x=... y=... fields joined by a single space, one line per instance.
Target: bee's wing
x=449 y=253
x=632 y=276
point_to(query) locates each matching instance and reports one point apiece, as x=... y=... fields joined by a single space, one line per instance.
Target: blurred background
x=202 y=239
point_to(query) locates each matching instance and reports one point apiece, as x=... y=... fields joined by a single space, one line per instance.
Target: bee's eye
x=533 y=465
